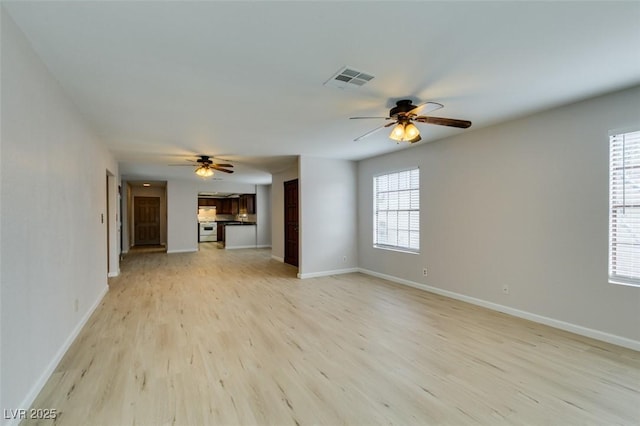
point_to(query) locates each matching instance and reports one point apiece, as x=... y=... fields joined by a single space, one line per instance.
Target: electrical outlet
x=344 y=258
x=505 y=289
x=424 y=272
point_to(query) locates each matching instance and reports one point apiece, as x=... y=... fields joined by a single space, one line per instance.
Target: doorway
x=110 y=220
x=291 y=222
x=146 y=219
x=107 y=193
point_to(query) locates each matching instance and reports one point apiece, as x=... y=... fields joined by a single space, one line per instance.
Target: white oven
x=208 y=231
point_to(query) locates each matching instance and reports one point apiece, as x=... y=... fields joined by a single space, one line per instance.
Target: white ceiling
x=164 y=81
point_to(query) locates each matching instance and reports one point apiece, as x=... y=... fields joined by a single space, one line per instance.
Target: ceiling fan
x=205 y=166
x=404 y=114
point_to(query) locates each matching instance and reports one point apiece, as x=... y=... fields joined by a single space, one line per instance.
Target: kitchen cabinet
x=221 y=228
x=247 y=203
x=206 y=202
x=244 y=203
x=224 y=206
x=227 y=206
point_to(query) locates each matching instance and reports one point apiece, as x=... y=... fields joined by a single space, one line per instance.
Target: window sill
x=396 y=249
x=623 y=282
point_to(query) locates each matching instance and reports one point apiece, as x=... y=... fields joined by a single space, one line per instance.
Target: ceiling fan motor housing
x=402 y=107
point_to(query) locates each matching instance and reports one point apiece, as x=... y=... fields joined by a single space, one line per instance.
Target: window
x=396 y=205
x=624 y=208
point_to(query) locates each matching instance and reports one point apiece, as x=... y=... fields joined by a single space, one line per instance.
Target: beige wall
x=53 y=212
x=523 y=204
x=328 y=216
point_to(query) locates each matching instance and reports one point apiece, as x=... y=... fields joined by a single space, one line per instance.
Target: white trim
x=327 y=273
x=46 y=374
x=633 y=283
x=397 y=249
x=263 y=246
x=182 y=251
x=279 y=259
x=562 y=325
x=113 y=274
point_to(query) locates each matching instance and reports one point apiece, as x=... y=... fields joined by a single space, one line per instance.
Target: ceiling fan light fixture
x=405 y=113
x=410 y=132
x=204 y=171
x=397 y=134
x=416 y=139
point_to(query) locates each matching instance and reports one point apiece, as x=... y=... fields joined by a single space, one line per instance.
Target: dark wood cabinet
x=247 y=203
x=220 y=230
x=227 y=206
x=206 y=202
x=231 y=205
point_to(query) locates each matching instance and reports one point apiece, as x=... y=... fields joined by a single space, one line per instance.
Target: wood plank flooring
x=234 y=338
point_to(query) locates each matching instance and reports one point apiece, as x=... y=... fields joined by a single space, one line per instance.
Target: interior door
x=146 y=213
x=291 y=222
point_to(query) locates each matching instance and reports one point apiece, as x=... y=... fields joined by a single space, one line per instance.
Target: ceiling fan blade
x=366 y=118
x=222 y=165
x=220 y=169
x=441 y=121
x=373 y=131
x=425 y=107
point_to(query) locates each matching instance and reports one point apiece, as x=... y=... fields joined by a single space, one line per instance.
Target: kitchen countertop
x=238 y=223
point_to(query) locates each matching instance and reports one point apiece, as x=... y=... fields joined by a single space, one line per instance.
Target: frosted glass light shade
x=397 y=134
x=410 y=132
x=204 y=171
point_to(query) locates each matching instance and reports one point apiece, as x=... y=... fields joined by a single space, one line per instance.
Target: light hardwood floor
x=234 y=338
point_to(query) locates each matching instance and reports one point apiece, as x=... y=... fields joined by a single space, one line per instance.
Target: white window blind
x=397 y=210
x=624 y=208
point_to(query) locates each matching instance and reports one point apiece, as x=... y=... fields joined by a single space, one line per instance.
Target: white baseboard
x=182 y=251
x=113 y=274
x=240 y=247
x=263 y=246
x=327 y=273
x=279 y=259
x=562 y=325
x=46 y=374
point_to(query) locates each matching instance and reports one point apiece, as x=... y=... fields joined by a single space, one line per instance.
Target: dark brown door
x=146 y=212
x=291 y=222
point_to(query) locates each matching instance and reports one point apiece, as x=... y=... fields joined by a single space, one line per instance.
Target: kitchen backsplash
x=231 y=217
x=206 y=213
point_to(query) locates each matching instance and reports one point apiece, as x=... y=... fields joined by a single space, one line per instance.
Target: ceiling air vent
x=348 y=78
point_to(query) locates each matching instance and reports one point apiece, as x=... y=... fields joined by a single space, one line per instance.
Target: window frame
x=416 y=213
x=613 y=210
